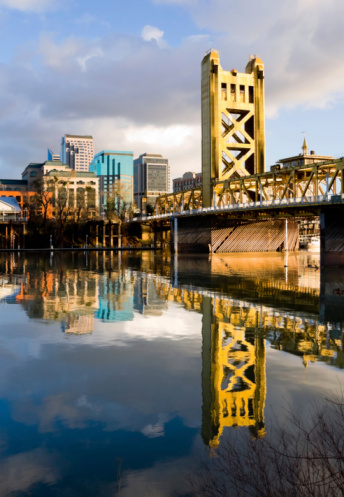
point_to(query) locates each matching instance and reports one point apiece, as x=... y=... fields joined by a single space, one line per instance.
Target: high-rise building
x=77 y=151
x=53 y=157
x=151 y=179
x=115 y=172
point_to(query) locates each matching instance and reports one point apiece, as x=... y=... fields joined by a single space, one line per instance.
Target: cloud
x=150 y=33
x=101 y=87
x=29 y=5
x=174 y=136
x=130 y=94
x=294 y=39
x=20 y=471
x=87 y=19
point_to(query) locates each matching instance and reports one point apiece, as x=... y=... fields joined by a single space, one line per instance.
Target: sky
x=129 y=74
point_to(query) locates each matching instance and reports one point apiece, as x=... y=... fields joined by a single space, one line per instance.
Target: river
x=120 y=374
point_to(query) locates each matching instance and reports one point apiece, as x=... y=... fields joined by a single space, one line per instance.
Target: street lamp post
x=86 y=240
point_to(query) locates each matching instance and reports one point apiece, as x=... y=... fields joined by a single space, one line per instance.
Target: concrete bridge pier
x=332 y=236
x=174 y=235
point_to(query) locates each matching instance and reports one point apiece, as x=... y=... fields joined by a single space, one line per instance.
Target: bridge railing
x=312 y=199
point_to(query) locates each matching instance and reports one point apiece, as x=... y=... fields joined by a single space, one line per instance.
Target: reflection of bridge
x=233 y=352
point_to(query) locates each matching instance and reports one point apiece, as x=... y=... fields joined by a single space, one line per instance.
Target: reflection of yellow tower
x=234 y=382
x=233 y=134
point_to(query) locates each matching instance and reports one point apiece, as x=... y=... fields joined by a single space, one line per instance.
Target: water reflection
x=184 y=352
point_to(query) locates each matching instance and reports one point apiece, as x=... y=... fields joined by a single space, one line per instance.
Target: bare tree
x=119 y=202
x=41 y=199
x=305 y=460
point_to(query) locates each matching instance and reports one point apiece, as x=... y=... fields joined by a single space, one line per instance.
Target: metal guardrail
x=311 y=200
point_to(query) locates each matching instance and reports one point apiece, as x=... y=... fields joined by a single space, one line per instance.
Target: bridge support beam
x=332 y=236
x=223 y=235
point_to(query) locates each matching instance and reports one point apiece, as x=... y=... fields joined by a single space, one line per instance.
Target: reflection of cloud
x=20 y=471
x=163 y=478
x=156 y=429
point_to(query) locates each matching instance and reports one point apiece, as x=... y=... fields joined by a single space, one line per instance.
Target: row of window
x=244 y=95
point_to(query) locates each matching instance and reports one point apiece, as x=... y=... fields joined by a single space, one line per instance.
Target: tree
x=119 y=203
x=305 y=460
x=41 y=200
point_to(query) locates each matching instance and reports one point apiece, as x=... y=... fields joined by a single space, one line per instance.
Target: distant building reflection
x=116 y=300
x=246 y=305
x=147 y=301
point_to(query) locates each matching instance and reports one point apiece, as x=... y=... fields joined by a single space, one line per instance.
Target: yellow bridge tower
x=233 y=128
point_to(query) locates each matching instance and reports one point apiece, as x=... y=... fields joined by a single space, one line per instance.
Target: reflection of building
x=151 y=179
x=115 y=299
x=70 y=297
x=77 y=151
x=77 y=324
x=146 y=298
x=115 y=172
x=233 y=376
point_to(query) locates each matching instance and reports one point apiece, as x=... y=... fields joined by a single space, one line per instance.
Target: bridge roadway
x=310 y=204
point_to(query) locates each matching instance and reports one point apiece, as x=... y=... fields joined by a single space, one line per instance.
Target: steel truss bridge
x=313 y=184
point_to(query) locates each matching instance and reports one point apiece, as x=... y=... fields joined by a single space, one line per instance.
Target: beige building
x=77 y=151
x=305 y=157
x=187 y=181
x=233 y=126
x=70 y=189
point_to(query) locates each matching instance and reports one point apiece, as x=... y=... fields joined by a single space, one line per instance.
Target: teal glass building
x=115 y=171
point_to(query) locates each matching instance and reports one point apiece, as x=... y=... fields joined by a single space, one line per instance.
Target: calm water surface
x=119 y=374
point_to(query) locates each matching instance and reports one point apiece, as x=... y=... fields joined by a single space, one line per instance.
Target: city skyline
x=129 y=75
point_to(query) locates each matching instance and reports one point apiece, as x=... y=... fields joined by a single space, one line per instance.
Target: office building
x=77 y=151
x=53 y=157
x=72 y=189
x=151 y=179
x=188 y=181
x=115 y=172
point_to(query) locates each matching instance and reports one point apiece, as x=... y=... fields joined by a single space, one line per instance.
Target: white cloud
x=130 y=94
x=87 y=19
x=29 y=5
x=152 y=33
x=59 y=56
x=172 y=136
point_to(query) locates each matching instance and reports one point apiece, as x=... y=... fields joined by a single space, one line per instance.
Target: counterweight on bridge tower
x=233 y=128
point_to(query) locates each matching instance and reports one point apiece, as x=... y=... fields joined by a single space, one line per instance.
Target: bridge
x=255 y=205
x=240 y=207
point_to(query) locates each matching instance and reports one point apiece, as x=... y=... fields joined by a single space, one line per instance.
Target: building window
x=224 y=91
